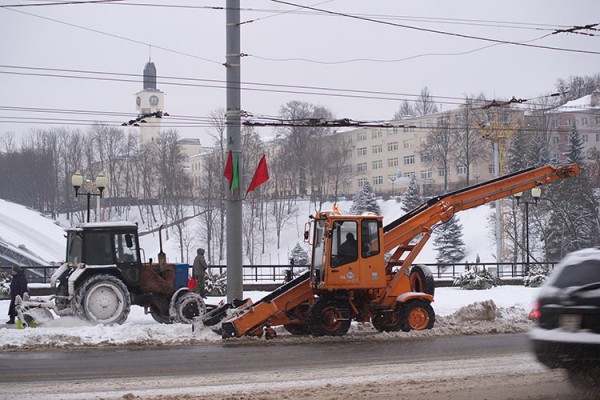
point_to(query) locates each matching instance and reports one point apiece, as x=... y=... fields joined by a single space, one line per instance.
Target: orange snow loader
x=349 y=277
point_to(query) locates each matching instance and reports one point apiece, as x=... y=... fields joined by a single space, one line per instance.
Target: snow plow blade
x=273 y=309
x=32 y=313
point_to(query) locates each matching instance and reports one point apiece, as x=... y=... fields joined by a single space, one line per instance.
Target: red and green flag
x=232 y=171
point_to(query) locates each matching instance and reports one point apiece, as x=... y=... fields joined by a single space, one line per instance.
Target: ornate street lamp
x=100 y=184
x=536 y=192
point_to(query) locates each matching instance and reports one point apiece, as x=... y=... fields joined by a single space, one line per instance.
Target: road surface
x=459 y=367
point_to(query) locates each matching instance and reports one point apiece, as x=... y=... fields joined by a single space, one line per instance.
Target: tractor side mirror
x=129 y=241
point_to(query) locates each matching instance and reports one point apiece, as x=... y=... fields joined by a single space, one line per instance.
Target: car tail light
x=535 y=312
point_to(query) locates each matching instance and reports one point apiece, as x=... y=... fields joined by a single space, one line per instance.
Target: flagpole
x=235 y=288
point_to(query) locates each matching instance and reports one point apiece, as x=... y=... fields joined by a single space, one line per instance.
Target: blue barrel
x=181 y=275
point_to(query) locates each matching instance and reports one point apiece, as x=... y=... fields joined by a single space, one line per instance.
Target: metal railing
x=277 y=273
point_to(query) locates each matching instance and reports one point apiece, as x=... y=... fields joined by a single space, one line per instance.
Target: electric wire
x=435 y=31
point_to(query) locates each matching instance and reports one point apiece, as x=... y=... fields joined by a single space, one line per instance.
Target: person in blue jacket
x=18 y=287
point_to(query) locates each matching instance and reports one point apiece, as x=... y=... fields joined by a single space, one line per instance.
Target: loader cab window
x=369 y=238
x=126 y=248
x=344 y=244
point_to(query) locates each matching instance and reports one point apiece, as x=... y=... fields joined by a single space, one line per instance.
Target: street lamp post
x=536 y=192
x=392 y=179
x=100 y=184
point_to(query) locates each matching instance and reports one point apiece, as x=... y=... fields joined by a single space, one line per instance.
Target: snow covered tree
x=412 y=198
x=299 y=255
x=573 y=221
x=448 y=242
x=365 y=201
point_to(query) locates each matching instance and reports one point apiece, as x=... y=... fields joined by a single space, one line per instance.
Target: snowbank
x=458 y=312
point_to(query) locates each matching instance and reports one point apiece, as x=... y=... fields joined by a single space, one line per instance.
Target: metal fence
x=277 y=273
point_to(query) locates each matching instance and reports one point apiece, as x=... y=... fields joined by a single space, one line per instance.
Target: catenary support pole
x=233 y=122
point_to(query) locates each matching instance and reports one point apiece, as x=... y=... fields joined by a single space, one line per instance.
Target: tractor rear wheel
x=421 y=279
x=416 y=314
x=386 y=321
x=102 y=299
x=189 y=306
x=328 y=318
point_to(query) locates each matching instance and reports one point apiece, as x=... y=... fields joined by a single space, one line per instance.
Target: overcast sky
x=296 y=50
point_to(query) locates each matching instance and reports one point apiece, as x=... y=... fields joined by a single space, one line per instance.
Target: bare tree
x=469 y=148
x=406 y=110
x=438 y=147
x=424 y=105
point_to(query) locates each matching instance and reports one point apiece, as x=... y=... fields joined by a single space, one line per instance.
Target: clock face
x=138 y=101
x=154 y=100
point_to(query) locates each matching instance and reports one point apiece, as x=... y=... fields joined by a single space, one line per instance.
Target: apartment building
x=388 y=158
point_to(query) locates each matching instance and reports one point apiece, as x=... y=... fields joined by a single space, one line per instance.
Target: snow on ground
x=498 y=310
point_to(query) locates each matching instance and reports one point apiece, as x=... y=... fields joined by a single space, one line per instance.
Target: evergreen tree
x=299 y=255
x=573 y=221
x=448 y=242
x=365 y=201
x=412 y=198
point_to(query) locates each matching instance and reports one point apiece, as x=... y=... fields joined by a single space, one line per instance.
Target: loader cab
x=347 y=252
x=106 y=245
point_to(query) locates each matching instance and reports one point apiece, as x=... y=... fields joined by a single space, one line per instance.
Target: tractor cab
x=103 y=244
x=347 y=251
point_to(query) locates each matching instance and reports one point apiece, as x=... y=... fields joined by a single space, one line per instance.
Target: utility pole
x=235 y=288
x=498 y=132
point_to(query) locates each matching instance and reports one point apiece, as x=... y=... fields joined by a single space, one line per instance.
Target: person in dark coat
x=199 y=272
x=18 y=287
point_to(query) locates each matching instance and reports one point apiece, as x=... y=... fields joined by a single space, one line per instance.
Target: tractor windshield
x=74 y=247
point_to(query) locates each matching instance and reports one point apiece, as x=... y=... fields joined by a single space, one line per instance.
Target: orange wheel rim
x=418 y=318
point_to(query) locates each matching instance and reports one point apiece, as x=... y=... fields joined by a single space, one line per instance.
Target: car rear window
x=578 y=274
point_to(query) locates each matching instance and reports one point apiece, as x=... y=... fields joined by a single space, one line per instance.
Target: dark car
x=567 y=334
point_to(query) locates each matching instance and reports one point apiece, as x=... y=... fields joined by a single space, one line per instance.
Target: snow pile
x=458 y=312
x=26 y=231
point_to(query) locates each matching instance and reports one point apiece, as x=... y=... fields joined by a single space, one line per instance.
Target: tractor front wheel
x=416 y=315
x=189 y=306
x=328 y=318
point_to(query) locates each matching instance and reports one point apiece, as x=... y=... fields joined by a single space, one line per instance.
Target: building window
x=377 y=164
x=362 y=167
x=426 y=174
x=362 y=182
x=376 y=134
x=584 y=138
x=425 y=157
x=568 y=122
x=393 y=162
x=347 y=169
x=555 y=123
x=377 y=149
x=361 y=151
x=409 y=160
x=393 y=146
x=348 y=139
x=597 y=120
x=377 y=180
x=349 y=153
x=408 y=174
x=492 y=169
x=361 y=137
x=441 y=172
x=461 y=170
x=584 y=121
x=597 y=137
x=407 y=144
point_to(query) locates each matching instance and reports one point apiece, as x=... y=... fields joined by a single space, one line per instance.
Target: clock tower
x=149 y=100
